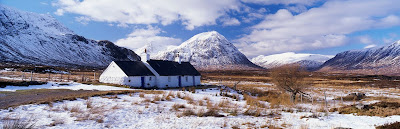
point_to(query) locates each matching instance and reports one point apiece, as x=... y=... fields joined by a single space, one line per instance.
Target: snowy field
x=174 y=109
x=64 y=85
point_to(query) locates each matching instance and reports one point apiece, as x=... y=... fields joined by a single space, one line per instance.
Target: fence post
x=23 y=76
x=326 y=102
x=31 y=75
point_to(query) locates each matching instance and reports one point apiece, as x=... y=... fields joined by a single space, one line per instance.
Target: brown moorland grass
x=394 y=125
x=46 y=96
x=376 y=109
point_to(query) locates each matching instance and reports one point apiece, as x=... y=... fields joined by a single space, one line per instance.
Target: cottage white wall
x=174 y=82
x=197 y=80
x=163 y=81
x=113 y=74
x=136 y=81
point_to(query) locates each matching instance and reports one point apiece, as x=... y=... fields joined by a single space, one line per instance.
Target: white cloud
x=365 y=39
x=370 y=46
x=192 y=14
x=147 y=38
x=320 y=27
x=285 y=2
x=230 y=21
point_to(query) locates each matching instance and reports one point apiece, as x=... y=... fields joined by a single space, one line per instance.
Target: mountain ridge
x=308 y=61
x=379 y=60
x=33 y=38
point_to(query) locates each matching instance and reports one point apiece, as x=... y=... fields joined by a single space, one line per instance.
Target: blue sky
x=256 y=27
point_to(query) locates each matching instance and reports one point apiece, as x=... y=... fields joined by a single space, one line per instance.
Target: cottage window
x=186 y=79
x=169 y=79
x=149 y=78
x=129 y=80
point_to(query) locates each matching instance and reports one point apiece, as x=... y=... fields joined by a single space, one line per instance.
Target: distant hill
x=382 y=60
x=33 y=38
x=209 y=51
x=308 y=61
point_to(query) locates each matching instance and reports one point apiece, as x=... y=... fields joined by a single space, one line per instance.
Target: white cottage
x=151 y=73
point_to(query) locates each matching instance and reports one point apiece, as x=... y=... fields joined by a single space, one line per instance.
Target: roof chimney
x=178 y=58
x=145 y=56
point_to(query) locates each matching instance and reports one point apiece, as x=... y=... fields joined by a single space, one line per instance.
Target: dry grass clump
x=176 y=106
x=253 y=101
x=19 y=123
x=394 y=125
x=254 y=111
x=89 y=103
x=57 y=121
x=352 y=97
x=141 y=95
x=188 y=112
x=76 y=108
x=157 y=98
x=277 y=99
x=189 y=99
x=377 y=109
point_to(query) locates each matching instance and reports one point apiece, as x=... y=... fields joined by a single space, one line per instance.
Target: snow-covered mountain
x=309 y=61
x=209 y=51
x=33 y=38
x=380 y=60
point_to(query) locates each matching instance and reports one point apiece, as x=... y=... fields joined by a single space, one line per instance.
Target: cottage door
x=142 y=82
x=180 y=81
x=194 y=82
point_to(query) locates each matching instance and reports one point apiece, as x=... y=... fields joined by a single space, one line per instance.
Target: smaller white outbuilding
x=151 y=73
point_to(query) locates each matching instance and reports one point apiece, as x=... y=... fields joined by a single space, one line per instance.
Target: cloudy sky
x=256 y=27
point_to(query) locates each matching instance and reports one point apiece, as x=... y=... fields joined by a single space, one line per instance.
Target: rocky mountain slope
x=381 y=60
x=309 y=61
x=40 y=39
x=209 y=51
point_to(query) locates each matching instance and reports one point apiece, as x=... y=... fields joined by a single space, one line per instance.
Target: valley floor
x=212 y=107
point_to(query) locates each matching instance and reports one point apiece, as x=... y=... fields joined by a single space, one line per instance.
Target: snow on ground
x=69 y=85
x=143 y=111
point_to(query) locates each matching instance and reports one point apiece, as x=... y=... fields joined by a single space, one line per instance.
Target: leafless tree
x=290 y=78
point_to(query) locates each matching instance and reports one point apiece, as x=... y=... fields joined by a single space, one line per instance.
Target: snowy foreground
x=152 y=110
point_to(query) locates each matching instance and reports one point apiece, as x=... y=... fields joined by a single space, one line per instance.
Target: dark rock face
x=40 y=39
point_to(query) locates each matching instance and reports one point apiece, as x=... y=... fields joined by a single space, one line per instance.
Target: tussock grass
x=394 y=125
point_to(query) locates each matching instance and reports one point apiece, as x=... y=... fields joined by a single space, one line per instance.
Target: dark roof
x=134 y=68
x=170 y=68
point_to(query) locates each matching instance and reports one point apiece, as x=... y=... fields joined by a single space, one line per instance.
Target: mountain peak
x=209 y=50
x=207 y=36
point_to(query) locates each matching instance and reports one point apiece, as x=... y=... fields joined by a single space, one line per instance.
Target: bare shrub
x=290 y=78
